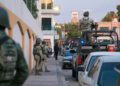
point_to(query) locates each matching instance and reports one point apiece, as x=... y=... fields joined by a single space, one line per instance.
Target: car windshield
x=108 y=76
x=67 y=53
x=92 y=61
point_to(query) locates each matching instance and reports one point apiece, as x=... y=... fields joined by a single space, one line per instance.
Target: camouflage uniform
x=37 y=51
x=13 y=67
x=45 y=56
x=85 y=24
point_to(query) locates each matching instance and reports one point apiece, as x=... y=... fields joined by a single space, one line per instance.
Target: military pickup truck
x=90 y=42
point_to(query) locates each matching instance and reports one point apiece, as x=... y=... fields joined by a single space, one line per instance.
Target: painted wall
x=23 y=27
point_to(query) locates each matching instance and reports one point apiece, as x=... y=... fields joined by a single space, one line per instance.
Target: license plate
x=86 y=47
x=66 y=61
x=102 y=47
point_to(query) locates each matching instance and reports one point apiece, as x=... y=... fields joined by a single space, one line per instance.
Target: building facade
x=114 y=25
x=47 y=10
x=23 y=28
x=74 y=17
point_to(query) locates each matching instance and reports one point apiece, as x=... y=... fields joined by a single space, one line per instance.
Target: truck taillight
x=111 y=48
x=79 y=60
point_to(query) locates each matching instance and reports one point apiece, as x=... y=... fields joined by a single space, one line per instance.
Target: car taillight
x=79 y=60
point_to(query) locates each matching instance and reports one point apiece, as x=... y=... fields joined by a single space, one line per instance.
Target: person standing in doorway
x=56 y=50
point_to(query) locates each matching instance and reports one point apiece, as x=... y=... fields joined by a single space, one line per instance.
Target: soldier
x=13 y=67
x=86 y=24
x=45 y=56
x=37 y=52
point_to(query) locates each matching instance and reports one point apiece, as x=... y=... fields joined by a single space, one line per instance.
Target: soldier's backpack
x=8 y=58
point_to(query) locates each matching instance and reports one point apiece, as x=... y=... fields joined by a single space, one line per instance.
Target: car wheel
x=63 y=66
x=76 y=76
x=73 y=72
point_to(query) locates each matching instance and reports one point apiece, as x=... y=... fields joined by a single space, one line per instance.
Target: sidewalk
x=52 y=78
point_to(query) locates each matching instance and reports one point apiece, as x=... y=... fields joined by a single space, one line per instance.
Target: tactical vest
x=36 y=50
x=85 y=24
x=8 y=59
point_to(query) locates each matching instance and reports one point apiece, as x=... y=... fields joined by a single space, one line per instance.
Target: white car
x=90 y=60
x=103 y=72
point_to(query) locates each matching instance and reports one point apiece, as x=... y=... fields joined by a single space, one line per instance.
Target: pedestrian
x=37 y=52
x=45 y=56
x=13 y=67
x=56 y=50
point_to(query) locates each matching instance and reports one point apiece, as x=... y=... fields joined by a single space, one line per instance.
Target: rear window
x=67 y=53
x=108 y=76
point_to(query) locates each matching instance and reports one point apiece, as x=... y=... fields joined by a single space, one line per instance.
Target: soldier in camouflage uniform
x=85 y=24
x=45 y=56
x=37 y=52
x=13 y=67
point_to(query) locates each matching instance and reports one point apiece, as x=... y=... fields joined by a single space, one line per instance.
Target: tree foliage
x=109 y=16
x=31 y=4
x=72 y=31
x=118 y=12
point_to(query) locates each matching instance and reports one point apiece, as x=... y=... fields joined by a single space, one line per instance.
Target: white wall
x=19 y=8
x=17 y=34
x=26 y=50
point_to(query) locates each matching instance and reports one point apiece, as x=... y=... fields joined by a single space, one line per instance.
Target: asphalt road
x=68 y=77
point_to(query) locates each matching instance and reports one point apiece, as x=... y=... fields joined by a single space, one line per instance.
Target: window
x=114 y=29
x=43 y=4
x=108 y=74
x=46 y=24
x=104 y=28
x=91 y=62
x=46 y=4
x=94 y=69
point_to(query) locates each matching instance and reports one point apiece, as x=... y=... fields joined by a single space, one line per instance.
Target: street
x=68 y=77
x=56 y=76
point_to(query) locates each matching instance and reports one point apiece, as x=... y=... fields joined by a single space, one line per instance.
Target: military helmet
x=38 y=41
x=4 y=19
x=86 y=14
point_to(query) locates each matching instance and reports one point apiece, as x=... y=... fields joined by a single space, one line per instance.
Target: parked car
x=76 y=62
x=103 y=72
x=67 y=59
x=117 y=69
x=90 y=60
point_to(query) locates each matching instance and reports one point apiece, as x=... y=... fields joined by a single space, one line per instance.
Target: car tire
x=63 y=66
x=73 y=72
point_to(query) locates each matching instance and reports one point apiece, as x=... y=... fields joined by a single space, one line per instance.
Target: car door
x=83 y=74
x=92 y=75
